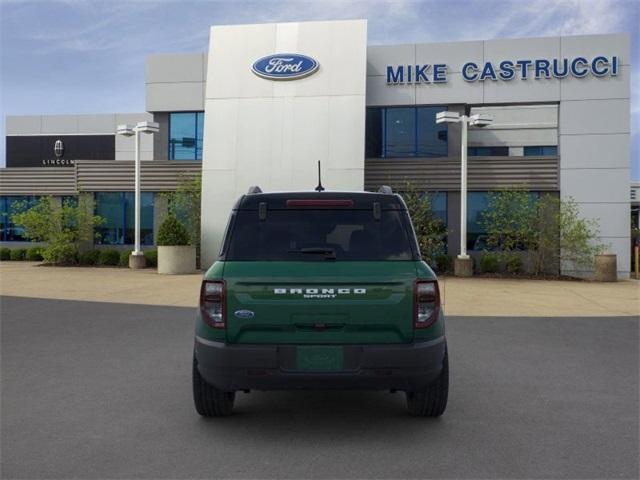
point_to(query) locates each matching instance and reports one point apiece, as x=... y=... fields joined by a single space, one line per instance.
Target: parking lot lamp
x=136 y=259
x=463 y=264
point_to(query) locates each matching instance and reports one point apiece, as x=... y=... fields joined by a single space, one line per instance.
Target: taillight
x=212 y=300
x=426 y=303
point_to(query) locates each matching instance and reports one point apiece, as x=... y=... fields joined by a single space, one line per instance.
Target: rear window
x=306 y=234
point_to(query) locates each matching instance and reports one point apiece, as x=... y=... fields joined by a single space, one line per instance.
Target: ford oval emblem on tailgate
x=244 y=314
x=284 y=66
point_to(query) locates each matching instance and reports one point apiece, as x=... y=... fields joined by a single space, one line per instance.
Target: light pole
x=136 y=259
x=463 y=264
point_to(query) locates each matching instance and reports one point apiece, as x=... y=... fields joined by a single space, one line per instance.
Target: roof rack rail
x=386 y=189
x=254 y=189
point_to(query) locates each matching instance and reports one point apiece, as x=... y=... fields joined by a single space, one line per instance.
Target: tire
x=209 y=401
x=432 y=401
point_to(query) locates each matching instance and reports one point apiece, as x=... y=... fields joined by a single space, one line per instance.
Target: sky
x=87 y=56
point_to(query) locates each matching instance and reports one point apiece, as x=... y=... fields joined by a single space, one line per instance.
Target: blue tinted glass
x=118 y=211
x=11 y=232
x=532 y=151
x=488 y=151
x=146 y=218
x=373 y=133
x=477 y=202
x=109 y=206
x=541 y=151
x=400 y=130
x=551 y=150
x=199 y=134
x=185 y=135
x=439 y=205
x=432 y=137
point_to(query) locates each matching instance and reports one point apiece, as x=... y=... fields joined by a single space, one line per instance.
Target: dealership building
x=267 y=101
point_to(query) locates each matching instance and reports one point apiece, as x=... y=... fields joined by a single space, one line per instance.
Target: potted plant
x=175 y=255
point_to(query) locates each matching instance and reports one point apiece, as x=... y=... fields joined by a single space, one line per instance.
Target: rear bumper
x=409 y=367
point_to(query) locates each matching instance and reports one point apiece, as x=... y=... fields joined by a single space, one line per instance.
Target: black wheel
x=431 y=402
x=209 y=401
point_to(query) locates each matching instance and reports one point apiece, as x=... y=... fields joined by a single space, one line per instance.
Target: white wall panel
x=522 y=91
x=595 y=151
x=453 y=54
x=379 y=56
x=455 y=90
x=592 y=185
x=54 y=124
x=591 y=87
x=523 y=48
x=379 y=93
x=269 y=133
x=23 y=124
x=594 y=116
x=174 y=97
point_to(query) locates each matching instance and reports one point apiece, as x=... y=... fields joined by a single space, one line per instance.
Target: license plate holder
x=319 y=358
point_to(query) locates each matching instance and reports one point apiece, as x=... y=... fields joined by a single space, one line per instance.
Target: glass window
x=432 y=136
x=477 y=203
x=316 y=235
x=185 y=135
x=400 y=132
x=373 y=137
x=405 y=132
x=117 y=209
x=439 y=205
x=11 y=232
x=541 y=151
x=488 y=151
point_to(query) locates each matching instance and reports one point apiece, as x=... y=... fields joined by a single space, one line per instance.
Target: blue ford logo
x=244 y=313
x=285 y=66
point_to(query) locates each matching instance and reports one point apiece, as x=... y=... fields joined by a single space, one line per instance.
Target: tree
x=430 y=230
x=509 y=219
x=61 y=227
x=184 y=203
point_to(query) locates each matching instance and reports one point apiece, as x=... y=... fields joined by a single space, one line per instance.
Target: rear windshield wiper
x=328 y=253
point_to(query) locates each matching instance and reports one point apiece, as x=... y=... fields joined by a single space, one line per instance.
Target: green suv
x=320 y=290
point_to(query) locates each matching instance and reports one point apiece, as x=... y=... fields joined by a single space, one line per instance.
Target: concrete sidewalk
x=465 y=297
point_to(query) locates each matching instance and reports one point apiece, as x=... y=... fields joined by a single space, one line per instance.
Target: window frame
x=197 y=114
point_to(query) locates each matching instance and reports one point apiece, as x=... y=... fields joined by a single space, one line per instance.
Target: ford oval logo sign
x=244 y=314
x=285 y=66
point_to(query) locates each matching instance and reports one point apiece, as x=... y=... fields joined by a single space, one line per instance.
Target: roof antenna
x=319 y=188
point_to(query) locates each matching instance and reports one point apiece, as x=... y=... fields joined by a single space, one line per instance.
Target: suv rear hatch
x=319 y=269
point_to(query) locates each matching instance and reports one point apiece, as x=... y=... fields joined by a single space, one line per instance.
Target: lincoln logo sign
x=285 y=66
x=58 y=148
x=506 y=70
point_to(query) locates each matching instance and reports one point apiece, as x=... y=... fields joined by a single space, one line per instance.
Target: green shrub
x=5 y=253
x=109 y=257
x=90 y=257
x=18 y=254
x=34 y=254
x=152 y=258
x=489 y=263
x=61 y=254
x=172 y=232
x=124 y=258
x=513 y=263
x=444 y=263
x=62 y=228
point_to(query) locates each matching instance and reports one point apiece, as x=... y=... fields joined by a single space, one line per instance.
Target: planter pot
x=176 y=260
x=606 y=268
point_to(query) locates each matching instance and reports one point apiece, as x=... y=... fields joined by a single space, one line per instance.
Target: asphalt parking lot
x=102 y=390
